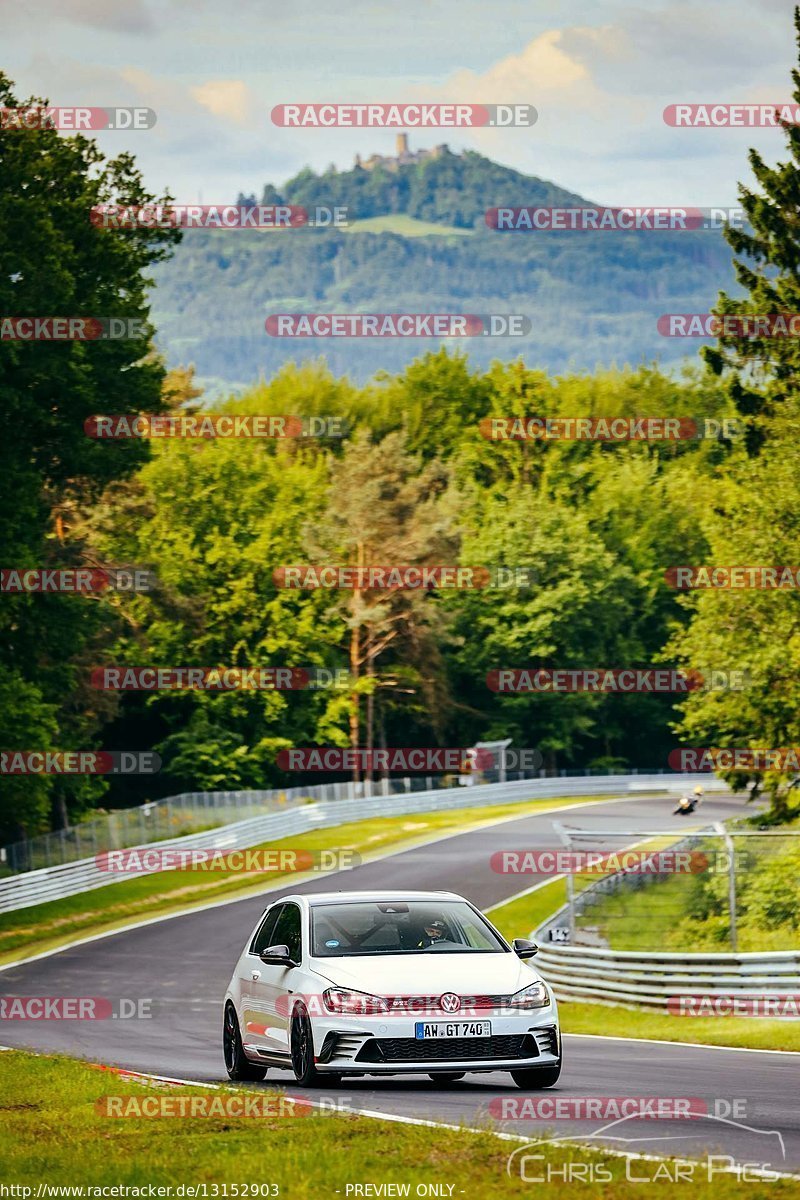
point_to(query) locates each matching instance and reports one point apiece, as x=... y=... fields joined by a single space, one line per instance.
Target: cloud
x=679 y=46
x=574 y=111
x=226 y=98
x=599 y=76
x=113 y=16
x=546 y=74
x=600 y=92
x=541 y=65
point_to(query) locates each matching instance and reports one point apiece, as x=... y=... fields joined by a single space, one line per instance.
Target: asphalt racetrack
x=183 y=966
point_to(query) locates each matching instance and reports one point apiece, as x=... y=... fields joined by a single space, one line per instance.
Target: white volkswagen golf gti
x=387 y=983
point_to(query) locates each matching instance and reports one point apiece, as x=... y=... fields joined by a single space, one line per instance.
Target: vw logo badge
x=449 y=1002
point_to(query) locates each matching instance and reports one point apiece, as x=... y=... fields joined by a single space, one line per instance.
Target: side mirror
x=524 y=947
x=277 y=956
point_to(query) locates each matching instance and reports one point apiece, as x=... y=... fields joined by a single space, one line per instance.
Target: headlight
x=357 y=1004
x=535 y=996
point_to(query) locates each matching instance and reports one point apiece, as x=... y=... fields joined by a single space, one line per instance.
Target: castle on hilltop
x=403 y=156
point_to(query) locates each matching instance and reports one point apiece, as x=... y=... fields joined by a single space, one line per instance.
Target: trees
x=214 y=519
x=54 y=262
x=755 y=520
x=762 y=371
x=385 y=507
x=755 y=517
x=596 y=524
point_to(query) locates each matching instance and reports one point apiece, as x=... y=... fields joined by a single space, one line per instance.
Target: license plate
x=452 y=1029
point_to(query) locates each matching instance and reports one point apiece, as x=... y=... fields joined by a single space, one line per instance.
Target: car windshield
x=370 y=927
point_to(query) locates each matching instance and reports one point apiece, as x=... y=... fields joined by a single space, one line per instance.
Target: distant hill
x=450 y=189
x=592 y=297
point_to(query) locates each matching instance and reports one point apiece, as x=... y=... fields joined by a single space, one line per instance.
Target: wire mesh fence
x=705 y=888
x=193 y=812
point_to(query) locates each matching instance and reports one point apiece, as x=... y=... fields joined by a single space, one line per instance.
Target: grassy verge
x=527 y=911
x=755 y=1033
x=43 y=926
x=519 y=917
x=690 y=912
x=516 y=918
x=51 y=1133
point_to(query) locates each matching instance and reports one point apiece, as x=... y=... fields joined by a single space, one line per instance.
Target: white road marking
x=611 y=1037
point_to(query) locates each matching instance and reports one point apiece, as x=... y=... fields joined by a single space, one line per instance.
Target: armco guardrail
x=55 y=883
x=652 y=979
x=191 y=812
x=178 y=816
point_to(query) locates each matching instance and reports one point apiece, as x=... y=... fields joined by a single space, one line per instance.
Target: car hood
x=429 y=974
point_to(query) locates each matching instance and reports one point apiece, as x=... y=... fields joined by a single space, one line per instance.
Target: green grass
x=531 y=910
x=406 y=226
x=53 y=1132
x=756 y=1033
x=690 y=912
x=43 y=926
x=518 y=917
x=644 y=919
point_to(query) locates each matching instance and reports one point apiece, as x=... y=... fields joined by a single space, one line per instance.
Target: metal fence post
x=729 y=846
x=563 y=835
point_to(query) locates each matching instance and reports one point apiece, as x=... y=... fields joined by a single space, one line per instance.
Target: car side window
x=287 y=931
x=264 y=938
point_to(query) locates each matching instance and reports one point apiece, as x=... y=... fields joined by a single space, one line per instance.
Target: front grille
x=409 y=1050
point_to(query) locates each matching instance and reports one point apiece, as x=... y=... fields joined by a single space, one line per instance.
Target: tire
x=238 y=1067
x=301 y=1044
x=535 y=1078
x=447 y=1076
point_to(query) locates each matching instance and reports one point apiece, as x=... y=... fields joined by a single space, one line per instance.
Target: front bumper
x=388 y=1046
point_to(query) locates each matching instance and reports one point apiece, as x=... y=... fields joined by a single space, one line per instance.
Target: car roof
x=316 y=898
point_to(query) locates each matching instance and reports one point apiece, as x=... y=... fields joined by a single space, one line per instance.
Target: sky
x=599 y=73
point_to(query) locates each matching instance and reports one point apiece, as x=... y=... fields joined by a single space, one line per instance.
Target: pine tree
x=763 y=371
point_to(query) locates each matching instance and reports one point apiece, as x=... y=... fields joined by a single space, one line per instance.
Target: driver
x=434 y=932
